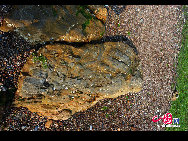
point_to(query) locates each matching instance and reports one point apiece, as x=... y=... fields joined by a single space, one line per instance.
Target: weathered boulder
x=41 y=23
x=64 y=79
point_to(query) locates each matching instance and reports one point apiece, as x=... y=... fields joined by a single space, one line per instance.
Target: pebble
x=90 y=127
x=23 y=127
x=48 y=123
x=36 y=128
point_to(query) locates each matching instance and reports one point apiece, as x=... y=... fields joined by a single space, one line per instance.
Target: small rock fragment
x=48 y=123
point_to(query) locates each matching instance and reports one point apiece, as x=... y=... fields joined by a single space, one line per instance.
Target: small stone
x=23 y=127
x=90 y=127
x=48 y=123
x=175 y=96
x=36 y=128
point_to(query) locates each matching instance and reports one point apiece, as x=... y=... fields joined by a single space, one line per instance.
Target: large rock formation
x=75 y=68
x=62 y=79
x=41 y=23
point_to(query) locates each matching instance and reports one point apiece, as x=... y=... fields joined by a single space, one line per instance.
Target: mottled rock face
x=99 y=11
x=38 y=24
x=64 y=79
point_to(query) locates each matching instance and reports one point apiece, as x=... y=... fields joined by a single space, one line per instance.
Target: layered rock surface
x=66 y=78
x=41 y=23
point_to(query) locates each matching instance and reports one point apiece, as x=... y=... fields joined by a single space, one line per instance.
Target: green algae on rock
x=41 y=23
x=77 y=77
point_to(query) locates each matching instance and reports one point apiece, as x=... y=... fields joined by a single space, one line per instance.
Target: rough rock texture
x=99 y=11
x=38 y=24
x=64 y=79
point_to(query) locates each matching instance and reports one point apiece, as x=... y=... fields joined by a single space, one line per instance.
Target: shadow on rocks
x=6 y=99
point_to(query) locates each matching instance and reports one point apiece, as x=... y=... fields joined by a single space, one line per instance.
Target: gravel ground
x=156 y=33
